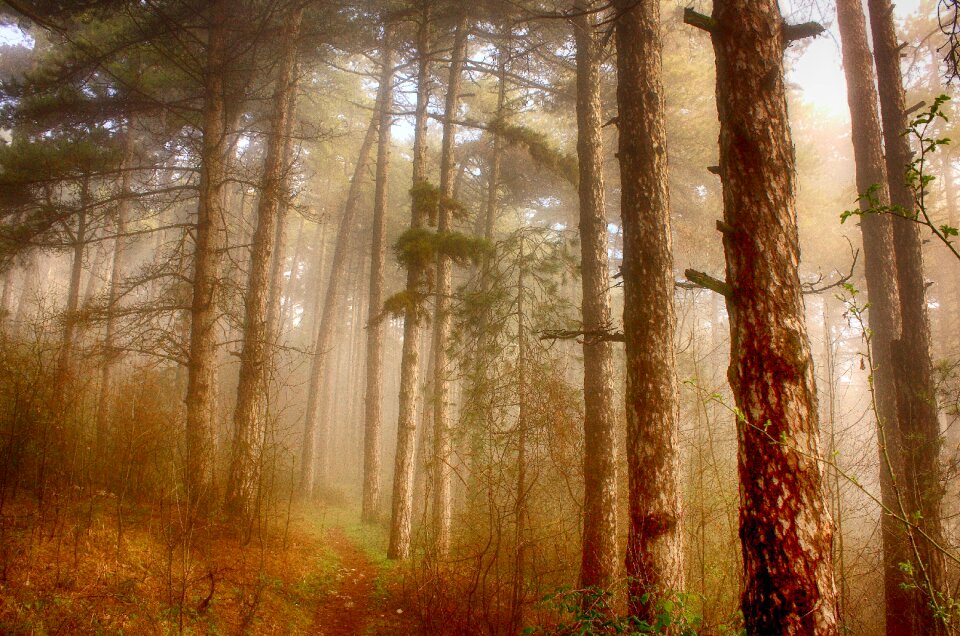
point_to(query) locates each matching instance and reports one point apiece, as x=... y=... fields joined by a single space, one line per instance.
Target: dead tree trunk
x=208 y=256
x=442 y=514
x=598 y=566
x=654 y=545
x=374 y=397
x=401 y=516
x=913 y=368
x=248 y=418
x=785 y=528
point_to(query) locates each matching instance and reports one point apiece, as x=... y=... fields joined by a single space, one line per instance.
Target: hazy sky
x=818 y=72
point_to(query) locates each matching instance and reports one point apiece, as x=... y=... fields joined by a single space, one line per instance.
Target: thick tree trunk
x=884 y=310
x=323 y=342
x=402 y=507
x=785 y=528
x=374 y=396
x=916 y=396
x=208 y=256
x=442 y=514
x=598 y=566
x=248 y=418
x=654 y=545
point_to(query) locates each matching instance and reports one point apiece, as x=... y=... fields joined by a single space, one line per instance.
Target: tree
x=785 y=528
x=884 y=305
x=248 y=420
x=402 y=510
x=208 y=258
x=310 y=464
x=911 y=361
x=654 y=544
x=442 y=513
x=599 y=563
x=374 y=395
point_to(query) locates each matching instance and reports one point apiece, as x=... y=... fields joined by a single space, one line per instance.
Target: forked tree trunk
x=442 y=513
x=208 y=256
x=654 y=544
x=401 y=516
x=374 y=397
x=913 y=368
x=884 y=309
x=598 y=565
x=785 y=528
x=329 y=315
x=248 y=419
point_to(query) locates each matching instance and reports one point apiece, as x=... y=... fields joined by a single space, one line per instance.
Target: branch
x=811 y=288
x=792 y=32
x=589 y=337
x=699 y=20
x=706 y=281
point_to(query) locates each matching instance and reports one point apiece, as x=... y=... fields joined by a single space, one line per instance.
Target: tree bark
x=654 y=545
x=208 y=256
x=884 y=309
x=401 y=516
x=248 y=419
x=374 y=396
x=785 y=528
x=442 y=514
x=912 y=365
x=598 y=565
x=323 y=342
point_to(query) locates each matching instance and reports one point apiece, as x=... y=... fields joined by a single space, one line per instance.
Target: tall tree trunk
x=374 y=397
x=881 y=278
x=785 y=528
x=442 y=514
x=208 y=257
x=331 y=304
x=401 y=516
x=248 y=418
x=913 y=368
x=116 y=277
x=654 y=545
x=598 y=565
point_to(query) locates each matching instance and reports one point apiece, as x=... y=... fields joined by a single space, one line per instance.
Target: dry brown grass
x=64 y=571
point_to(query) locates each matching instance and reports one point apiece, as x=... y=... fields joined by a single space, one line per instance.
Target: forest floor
x=79 y=567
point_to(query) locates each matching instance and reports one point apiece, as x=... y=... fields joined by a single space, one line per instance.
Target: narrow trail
x=349 y=608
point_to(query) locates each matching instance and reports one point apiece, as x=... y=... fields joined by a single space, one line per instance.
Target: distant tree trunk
x=785 y=529
x=598 y=566
x=331 y=304
x=110 y=354
x=912 y=365
x=248 y=417
x=444 y=288
x=884 y=311
x=374 y=367
x=401 y=516
x=208 y=256
x=70 y=316
x=654 y=545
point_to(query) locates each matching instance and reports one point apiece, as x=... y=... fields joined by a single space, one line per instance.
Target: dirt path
x=347 y=609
